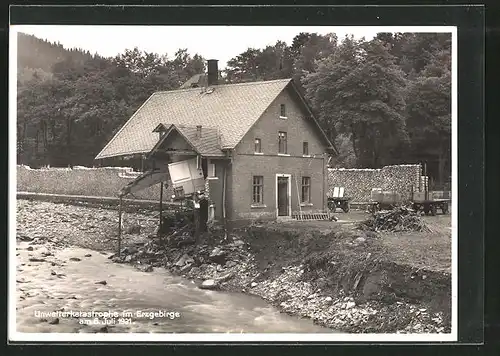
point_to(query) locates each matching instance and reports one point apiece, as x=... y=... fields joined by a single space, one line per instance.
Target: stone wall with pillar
x=358 y=183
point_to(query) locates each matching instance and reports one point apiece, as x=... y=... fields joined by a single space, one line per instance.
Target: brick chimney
x=213 y=72
x=198 y=131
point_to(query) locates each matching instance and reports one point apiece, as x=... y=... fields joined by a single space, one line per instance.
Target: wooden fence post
x=161 y=206
x=120 y=228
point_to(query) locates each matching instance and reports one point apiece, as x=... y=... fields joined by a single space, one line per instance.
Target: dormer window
x=161 y=130
x=283 y=111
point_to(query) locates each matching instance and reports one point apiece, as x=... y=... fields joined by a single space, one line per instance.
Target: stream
x=83 y=281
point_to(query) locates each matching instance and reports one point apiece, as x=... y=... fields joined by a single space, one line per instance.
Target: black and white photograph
x=233 y=183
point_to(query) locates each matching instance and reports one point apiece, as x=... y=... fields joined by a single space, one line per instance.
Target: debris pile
x=175 y=220
x=215 y=259
x=400 y=219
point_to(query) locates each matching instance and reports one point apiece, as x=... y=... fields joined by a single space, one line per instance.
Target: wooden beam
x=120 y=228
x=161 y=207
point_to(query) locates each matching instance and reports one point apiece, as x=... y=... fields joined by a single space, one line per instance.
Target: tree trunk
x=353 y=139
x=45 y=136
x=441 y=164
x=68 y=141
x=23 y=136
x=36 y=142
x=52 y=130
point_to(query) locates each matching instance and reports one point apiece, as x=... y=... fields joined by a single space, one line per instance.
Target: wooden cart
x=430 y=202
x=338 y=200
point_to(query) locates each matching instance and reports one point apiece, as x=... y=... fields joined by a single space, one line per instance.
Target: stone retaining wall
x=104 y=182
x=358 y=183
x=107 y=181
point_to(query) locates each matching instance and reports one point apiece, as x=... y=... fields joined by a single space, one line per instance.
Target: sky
x=212 y=42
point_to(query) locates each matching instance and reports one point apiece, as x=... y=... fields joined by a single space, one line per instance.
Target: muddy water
x=72 y=285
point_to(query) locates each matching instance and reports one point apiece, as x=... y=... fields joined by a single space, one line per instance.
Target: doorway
x=283 y=195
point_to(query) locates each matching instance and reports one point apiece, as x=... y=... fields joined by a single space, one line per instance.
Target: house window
x=305 y=148
x=211 y=170
x=258 y=189
x=258 y=148
x=282 y=142
x=306 y=189
x=282 y=110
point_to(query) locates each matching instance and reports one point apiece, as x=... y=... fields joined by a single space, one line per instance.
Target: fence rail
x=110 y=201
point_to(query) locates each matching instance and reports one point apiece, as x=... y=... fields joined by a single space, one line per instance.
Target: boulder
x=185 y=259
x=359 y=240
x=238 y=243
x=23 y=237
x=186 y=268
x=225 y=277
x=210 y=284
x=194 y=271
x=350 y=305
x=128 y=250
x=134 y=230
x=230 y=264
x=218 y=256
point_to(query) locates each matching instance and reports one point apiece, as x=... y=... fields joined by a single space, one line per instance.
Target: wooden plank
x=120 y=228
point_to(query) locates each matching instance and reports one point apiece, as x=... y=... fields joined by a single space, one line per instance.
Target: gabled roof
x=232 y=108
x=208 y=144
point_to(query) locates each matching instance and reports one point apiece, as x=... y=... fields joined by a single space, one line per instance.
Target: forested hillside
x=383 y=101
x=38 y=56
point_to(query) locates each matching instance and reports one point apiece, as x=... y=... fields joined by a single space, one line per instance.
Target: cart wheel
x=345 y=207
x=444 y=208
x=433 y=210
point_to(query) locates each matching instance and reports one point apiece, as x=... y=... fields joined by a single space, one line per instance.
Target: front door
x=283 y=196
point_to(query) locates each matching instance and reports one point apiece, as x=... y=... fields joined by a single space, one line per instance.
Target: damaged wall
x=104 y=182
x=358 y=183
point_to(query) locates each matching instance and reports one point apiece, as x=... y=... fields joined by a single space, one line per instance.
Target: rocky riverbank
x=338 y=276
x=329 y=277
